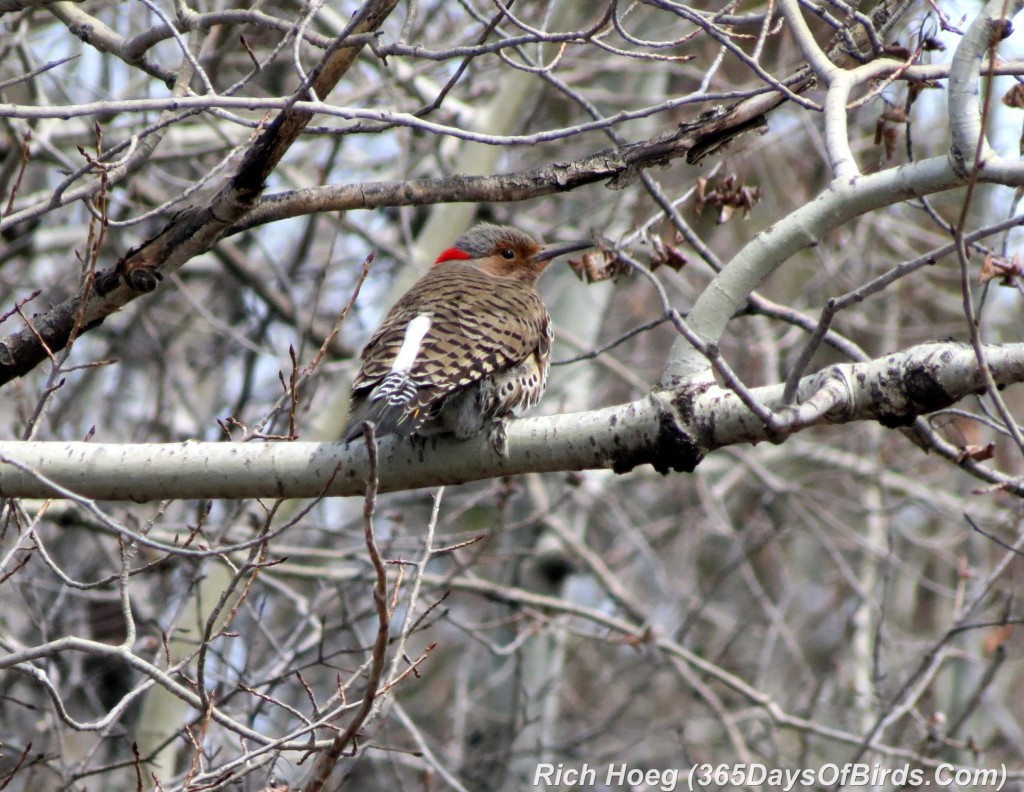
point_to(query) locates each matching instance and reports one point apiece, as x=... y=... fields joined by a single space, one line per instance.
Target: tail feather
x=389 y=418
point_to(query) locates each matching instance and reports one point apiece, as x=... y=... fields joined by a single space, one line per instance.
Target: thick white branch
x=969 y=148
x=838 y=204
x=852 y=196
x=671 y=430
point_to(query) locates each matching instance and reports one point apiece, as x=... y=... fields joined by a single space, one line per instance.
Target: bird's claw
x=499 y=437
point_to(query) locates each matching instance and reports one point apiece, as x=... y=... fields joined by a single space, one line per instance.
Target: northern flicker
x=466 y=346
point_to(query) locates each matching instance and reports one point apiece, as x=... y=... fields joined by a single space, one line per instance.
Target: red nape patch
x=453 y=254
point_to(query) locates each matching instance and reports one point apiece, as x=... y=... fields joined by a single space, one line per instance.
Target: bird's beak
x=561 y=248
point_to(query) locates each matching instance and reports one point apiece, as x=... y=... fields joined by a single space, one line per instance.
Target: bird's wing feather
x=479 y=325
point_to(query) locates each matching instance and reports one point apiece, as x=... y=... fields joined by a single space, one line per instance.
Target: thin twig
x=327 y=761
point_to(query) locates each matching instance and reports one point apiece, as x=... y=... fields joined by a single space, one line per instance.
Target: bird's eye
x=508 y=254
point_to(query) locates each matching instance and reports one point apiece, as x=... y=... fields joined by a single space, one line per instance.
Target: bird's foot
x=498 y=436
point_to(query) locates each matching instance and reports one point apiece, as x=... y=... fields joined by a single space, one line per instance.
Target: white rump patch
x=411 y=344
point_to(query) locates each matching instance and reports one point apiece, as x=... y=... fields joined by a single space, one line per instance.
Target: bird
x=466 y=347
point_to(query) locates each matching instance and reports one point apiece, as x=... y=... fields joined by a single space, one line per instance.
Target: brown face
x=514 y=258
